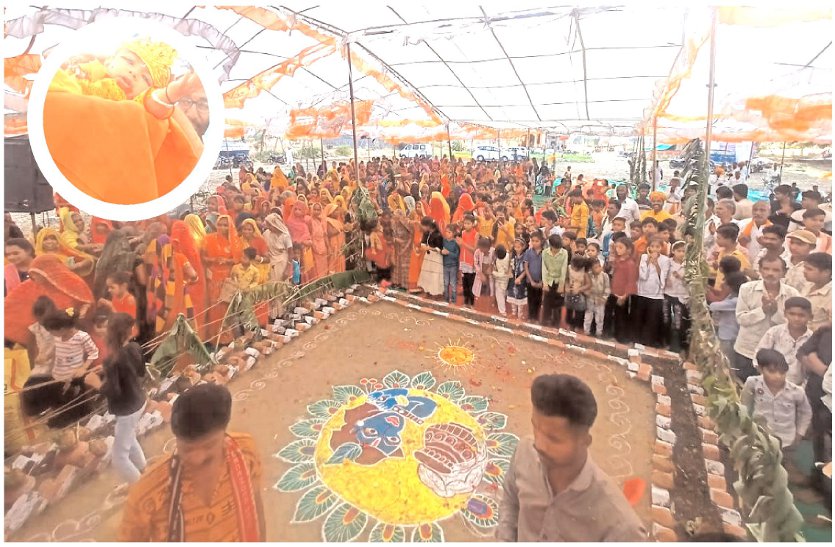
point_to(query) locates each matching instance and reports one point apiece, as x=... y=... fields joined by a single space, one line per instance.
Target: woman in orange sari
x=173 y=287
x=222 y=251
x=184 y=242
x=336 y=238
x=319 y=237
x=416 y=256
x=99 y=230
x=439 y=210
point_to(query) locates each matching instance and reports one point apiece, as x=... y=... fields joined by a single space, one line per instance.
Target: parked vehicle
x=760 y=164
x=416 y=151
x=514 y=152
x=486 y=153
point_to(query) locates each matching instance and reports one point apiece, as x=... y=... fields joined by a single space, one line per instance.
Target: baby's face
x=130 y=72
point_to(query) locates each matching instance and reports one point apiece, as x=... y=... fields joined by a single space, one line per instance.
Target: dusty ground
x=275 y=394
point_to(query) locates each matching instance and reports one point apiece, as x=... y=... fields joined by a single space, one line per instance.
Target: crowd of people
x=594 y=258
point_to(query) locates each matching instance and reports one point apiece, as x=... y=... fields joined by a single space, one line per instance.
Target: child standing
x=724 y=314
x=578 y=284
x=42 y=355
x=501 y=276
x=786 y=338
x=652 y=278
x=676 y=296
x=483 y=260
x=624 y=286
x=781 y=403
x=533 y=272
x=596 y=296
x=450 y=251
x=517 y=289
x=245 y=274
x=554 y=266
x=469 y=270
x=121 y=300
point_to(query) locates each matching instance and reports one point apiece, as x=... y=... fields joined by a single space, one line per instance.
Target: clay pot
x=76 y=456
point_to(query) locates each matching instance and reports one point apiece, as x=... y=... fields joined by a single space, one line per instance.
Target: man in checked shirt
x=553 y=490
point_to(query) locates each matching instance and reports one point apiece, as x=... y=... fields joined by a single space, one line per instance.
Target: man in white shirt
x=759 y=307
x=628 y=207
x=750 y=231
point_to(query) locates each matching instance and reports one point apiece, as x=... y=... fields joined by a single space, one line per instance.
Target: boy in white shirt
x=782 y=404
x=787 y=338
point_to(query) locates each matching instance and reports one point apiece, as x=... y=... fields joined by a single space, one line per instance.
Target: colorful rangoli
x=398 y=456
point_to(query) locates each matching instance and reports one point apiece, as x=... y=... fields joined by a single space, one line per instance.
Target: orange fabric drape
x=148 y=157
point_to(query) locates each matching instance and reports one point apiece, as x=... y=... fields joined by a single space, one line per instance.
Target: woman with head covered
x=111 y=127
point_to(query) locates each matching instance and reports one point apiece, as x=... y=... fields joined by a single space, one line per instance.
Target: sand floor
x=370 y=342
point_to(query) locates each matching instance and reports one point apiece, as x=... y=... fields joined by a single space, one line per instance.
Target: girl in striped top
x=75 y=350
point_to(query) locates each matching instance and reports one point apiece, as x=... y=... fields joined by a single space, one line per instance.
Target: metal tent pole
x=353 y=112
x=710 y=90
x=782 y=159
x=654 y=153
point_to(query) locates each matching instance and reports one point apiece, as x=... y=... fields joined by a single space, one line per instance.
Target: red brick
x=664 y=534
x=711 y=452
x=635 y=358
x=664 y=449
x=663 y=480
x=663 y=516
x=734 y=530
x=584 y=339
x=662 y=463
x=644 y=372
x=715 y=481
x=721 y=498
x=698 y=399
x=663 y=410
x=690 y=366
x=706 y=422
x=556 y=343
x=659 y=389
x=709 y=437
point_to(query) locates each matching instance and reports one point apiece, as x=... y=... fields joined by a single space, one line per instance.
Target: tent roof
x=602 y=70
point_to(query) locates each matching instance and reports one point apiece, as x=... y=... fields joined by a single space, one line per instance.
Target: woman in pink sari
x=297 y=223
x=319 y=236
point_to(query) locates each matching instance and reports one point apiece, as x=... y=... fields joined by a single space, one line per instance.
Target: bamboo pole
x=322 y=150
x=353 y=112
x=449 y=144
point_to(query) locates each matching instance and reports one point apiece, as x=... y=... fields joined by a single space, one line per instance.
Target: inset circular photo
x=126 y=120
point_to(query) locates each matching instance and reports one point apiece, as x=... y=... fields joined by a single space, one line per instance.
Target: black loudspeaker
x=27 y=191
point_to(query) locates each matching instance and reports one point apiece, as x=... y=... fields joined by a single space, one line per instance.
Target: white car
x=416 y=151
x=486 y=153
x=511 y=152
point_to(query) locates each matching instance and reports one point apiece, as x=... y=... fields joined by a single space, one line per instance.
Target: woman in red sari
x=222 y=250
x=48 y=276
x=319 y=237
x=184 y=242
